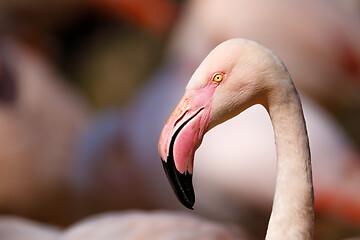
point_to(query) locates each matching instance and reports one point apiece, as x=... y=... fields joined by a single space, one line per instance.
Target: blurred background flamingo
x=38 y=141
x=118 y=66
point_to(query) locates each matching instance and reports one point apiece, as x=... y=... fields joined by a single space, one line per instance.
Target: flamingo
x=334 y=156
x=323 y=71
x=234 y=76
x=39 y=142
x=331 y=150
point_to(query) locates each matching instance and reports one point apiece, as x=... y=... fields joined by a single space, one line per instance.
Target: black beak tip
x=181 y=183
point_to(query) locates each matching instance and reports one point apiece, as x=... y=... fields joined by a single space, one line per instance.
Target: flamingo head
x=234 y=76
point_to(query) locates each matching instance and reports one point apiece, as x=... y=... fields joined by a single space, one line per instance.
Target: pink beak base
x=181 y=137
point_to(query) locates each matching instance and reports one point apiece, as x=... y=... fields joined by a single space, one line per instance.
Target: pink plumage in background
x=156 y=16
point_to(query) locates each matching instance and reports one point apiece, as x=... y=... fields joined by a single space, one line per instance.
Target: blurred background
x=86 y=86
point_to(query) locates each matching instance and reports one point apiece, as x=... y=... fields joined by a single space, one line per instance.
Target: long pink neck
x=292 y=215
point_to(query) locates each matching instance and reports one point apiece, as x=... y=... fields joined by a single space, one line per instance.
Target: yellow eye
x=218 y=77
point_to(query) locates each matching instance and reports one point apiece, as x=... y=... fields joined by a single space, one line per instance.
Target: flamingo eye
x=218 y=77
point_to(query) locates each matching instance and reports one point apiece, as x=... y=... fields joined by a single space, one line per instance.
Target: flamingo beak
x=180 y=137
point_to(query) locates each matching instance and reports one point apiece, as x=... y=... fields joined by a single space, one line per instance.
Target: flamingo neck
x=292 y=214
